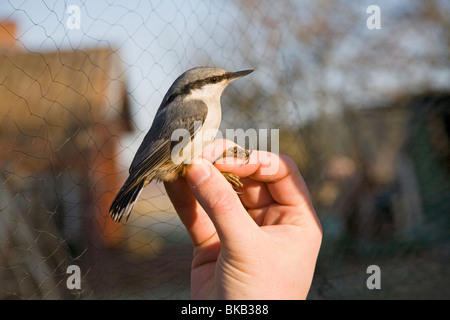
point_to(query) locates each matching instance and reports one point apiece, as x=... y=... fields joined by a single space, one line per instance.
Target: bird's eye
x=213 y=79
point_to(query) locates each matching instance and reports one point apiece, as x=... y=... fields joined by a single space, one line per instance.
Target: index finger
x=278 y=172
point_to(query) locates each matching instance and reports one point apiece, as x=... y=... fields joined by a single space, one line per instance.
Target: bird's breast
x=204 y=134
x=212 y=122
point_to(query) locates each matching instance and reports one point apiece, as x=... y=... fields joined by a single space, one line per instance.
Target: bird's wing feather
x=156 y=147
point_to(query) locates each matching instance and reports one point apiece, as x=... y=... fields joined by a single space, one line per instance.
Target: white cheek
x=208 y=94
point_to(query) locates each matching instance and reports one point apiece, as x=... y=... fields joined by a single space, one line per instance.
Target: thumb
x=220 y=202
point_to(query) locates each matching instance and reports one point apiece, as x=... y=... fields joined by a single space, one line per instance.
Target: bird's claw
x=234 y=180
x=235 y=152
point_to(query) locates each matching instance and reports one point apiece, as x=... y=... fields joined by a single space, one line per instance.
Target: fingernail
x=197 y=173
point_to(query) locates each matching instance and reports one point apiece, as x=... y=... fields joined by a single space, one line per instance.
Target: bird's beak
x=239 y=74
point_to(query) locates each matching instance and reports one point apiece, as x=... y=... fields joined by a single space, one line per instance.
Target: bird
x=191 y=106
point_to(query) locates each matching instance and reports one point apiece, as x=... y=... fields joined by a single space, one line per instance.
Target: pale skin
x=262 y=243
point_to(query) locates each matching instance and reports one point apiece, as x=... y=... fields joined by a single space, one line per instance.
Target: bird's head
x=202 y=82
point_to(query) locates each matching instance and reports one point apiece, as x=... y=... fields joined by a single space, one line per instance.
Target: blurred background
x=361 y=98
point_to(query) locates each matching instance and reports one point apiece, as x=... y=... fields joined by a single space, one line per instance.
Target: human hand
x=262 y=244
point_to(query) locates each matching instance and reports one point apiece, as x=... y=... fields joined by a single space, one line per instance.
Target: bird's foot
x=234 y=180
x=235 y=152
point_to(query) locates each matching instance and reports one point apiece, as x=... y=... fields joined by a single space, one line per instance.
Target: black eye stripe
x=198 y=84
x=202 y=82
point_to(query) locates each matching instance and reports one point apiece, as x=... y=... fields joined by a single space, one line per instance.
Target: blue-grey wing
x=156 y=146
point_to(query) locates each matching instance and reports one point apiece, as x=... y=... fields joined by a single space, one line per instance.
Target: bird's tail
x=124 y=201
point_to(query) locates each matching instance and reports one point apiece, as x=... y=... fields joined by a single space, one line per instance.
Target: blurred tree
x=315 y=58
x=321 y=78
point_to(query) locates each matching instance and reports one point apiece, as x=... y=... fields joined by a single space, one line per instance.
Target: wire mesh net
x=361 y=102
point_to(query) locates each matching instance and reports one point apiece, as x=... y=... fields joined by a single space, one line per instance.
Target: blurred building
x=61 y=116
x=387 y=176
